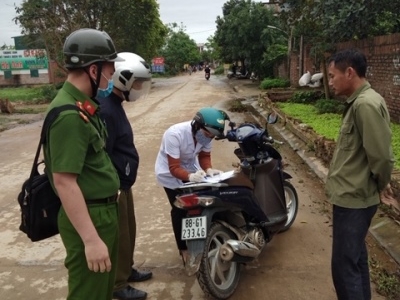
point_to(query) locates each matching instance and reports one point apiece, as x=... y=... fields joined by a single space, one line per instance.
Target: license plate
x=194 y=228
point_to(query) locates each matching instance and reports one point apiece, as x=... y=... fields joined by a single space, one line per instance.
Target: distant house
x=200 y=47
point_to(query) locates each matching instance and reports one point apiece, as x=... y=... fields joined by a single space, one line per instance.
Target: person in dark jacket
x=132 y=80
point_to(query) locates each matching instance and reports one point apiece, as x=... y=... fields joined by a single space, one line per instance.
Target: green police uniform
x=76 y=145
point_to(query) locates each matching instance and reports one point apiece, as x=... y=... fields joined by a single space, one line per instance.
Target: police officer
x=131 y=82
x=80 y=170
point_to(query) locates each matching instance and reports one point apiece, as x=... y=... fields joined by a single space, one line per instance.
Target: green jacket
x=363 y=159
x=77 y=146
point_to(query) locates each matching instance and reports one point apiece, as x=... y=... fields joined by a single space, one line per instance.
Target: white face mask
x=201 y=138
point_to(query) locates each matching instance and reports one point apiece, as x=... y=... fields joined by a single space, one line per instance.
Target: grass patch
x=30 y=94
x=269 y=83
x=387 y=284
x=31 y=110
x=328 y=124
x=324 y=124
x=24 y=94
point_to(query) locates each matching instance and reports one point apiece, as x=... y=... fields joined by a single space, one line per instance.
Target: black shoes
x=137 y=276
x=129 y=293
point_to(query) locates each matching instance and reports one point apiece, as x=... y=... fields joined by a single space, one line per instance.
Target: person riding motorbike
x=207 y=71
x=185 y=155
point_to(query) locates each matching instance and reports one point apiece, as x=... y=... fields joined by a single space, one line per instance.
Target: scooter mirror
x=272 y=118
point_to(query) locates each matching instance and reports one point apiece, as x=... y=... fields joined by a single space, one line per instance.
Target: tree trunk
x=325 y=80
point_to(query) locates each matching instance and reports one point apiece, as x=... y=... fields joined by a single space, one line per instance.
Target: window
x=7 y=74
x=34 y=73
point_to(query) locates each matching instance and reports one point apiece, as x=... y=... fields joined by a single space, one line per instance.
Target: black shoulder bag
x=39 y=203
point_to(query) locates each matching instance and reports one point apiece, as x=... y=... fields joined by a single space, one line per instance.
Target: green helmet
x=213 y=120
x=86 y=46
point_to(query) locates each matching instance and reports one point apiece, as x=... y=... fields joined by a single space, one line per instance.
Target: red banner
x=158 y=60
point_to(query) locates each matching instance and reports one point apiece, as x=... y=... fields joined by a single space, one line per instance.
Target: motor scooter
x=207 y=76
x=229 y=222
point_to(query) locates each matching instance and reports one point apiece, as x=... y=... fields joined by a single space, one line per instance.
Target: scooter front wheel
x=216 y=277
x=292 y=204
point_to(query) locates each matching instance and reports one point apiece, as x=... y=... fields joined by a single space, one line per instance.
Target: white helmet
x=132 y=76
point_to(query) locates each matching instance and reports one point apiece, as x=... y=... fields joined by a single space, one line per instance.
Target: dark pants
x=177 y=215
x=127 y=237
x=350 y=272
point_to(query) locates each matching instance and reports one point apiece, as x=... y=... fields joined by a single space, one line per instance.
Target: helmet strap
x=195 y=127
x=126 y=95
x=95 y=84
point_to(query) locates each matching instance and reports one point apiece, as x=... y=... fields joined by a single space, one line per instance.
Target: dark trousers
x=350 y=272
x=177 y=215
x=127 y=237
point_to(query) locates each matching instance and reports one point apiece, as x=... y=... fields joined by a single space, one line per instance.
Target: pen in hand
x=200 y=171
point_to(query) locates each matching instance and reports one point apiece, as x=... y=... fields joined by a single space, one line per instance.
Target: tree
x=211 y=53
x=137 y=27
x=134 y=25
x=179 y=49
x=243 y=35
x=7 y=47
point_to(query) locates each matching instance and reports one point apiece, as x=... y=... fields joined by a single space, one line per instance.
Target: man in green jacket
x=80 y=170
x=360 y=170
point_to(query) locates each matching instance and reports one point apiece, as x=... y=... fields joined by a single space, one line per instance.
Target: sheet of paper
x=219 y=177
x=215 y=178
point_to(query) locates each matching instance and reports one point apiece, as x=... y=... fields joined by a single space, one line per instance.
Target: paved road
x=295 y=265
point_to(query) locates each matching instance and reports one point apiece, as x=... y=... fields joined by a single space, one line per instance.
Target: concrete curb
x=384 y=229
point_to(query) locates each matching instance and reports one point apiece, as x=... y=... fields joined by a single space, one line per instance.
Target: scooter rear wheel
x=217 y=278
x=292 y=204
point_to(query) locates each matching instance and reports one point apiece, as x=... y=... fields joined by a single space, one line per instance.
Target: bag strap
x=50 y=118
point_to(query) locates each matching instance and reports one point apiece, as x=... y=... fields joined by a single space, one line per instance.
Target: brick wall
x=383 y=56
x=56 y=74
x=24 y=79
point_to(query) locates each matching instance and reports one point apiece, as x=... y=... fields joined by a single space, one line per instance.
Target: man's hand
x=387 y=192
x=197 y=177
x=212 y=172
x=387 y=197
x=97 y=256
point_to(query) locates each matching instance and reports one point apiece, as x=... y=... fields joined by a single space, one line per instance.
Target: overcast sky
x=198 y=16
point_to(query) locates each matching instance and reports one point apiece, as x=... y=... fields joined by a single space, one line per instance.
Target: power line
x=201 y=31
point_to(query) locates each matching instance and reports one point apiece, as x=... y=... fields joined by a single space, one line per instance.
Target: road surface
x=295 y=265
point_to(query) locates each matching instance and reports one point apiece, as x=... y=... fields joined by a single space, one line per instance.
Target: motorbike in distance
x=229 y=222
x=207 y=72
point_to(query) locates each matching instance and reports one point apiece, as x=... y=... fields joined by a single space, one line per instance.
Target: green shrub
x=306 y=97
x=219 y=70
x=325 y=106
x=269 y=83
x=237 y=106
x=48 y=92
x=59 y=85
